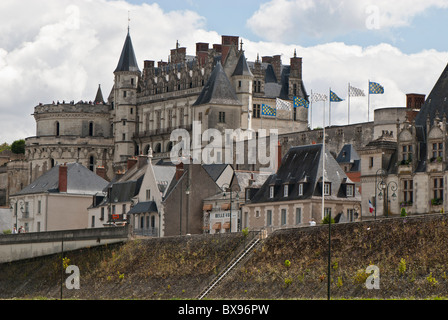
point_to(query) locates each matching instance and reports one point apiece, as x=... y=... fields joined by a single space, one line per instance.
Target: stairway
x=245 y=253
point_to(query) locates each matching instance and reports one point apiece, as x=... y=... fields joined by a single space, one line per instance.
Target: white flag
x=355 y=92
x=283 y=105
x=318 y=97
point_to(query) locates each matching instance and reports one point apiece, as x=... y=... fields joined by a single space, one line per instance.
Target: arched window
x=169 y=146
x=158 y=148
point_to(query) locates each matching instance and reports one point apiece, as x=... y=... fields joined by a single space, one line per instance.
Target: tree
x=18 y=146
x=4 y=146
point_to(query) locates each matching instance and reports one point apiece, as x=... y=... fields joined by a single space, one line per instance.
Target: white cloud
x=291 y=20
x=56 y=50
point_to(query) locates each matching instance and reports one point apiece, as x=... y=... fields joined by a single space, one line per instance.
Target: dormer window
x=406 y=152
x=271 y=192
x=437 y=150
x=350 y=190
x=327 y=188
x=300 y=189
x=285 y=190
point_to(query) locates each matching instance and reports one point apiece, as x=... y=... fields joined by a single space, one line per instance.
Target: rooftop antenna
x=129 y=20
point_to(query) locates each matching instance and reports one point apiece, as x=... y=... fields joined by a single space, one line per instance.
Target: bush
x=403 y=212
x=287 y=263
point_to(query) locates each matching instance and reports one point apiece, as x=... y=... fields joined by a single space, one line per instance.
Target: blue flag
x=334 y=97
x=267 y=110
x=375 y=88
x=301 y=102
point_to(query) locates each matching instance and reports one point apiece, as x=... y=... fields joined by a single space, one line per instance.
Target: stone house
x=293 y=195
x=57 y=200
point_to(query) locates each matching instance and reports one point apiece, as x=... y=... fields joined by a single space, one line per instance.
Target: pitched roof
x=80 y=180
x=303 y=164
x=437 y=101
x=218 y=89
x=99 y=96
x=127 y=61
x=144 y=207
x=242 y=69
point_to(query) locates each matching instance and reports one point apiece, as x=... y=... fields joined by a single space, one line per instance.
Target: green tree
x=18 y=146
x=4 y=146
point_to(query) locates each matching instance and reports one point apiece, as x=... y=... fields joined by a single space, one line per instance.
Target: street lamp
x=381 y=173
x=384 y=187
x=223 y=188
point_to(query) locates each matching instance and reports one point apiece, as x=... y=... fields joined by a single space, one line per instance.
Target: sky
x=62 y=50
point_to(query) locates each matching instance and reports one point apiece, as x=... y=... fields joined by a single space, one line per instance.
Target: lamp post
x=223 y=187
x=384 y=190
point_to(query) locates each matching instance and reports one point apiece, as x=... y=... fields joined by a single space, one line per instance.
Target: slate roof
x=127 y=61
x=80 y=180
x=348 y=154
x=99 y=96
x=218 y=89
x=437 y=101
x=144 y=207
x=304 y=164
x=242 y=69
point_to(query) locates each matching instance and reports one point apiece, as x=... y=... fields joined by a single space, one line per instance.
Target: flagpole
x=348 y=109
x=329 y=109
x=311 y=110
x=368 y=101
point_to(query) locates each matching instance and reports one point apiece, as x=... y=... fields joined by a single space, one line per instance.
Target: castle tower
x=124 y=113
x=242 y=79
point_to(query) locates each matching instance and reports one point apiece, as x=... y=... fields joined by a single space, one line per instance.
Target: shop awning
x=207 y=207
x=225 y=206
x=217 y=226
x=226 y=225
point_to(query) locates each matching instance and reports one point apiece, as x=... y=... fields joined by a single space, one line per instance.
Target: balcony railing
x=149 y=232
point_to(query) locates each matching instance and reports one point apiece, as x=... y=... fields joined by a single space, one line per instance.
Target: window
x=239 y=84
x=123 y=209
x=222 y=117
x=350 y=190
x=257 y=214
x=92 y=225
x=298 y=216
x=301 y=189
x=124 y=94
x=283 y=217
x=271 y=192
x=132 y=81
x=327 y=212
x=438 y=188
x=256 y=111
x=327 y=189
x=351 y=215
x=148 y=194
x=408 y=193
x=39 y=206
x=113 y=209
x=57 y=128
x=371 y=162
x=124 y=123
x=437 y=150
x=269 y=217
x=102 y=213
x=200 y=116
x=285 y=190
x=406 y=152
x=124 y=137
x=91 y=163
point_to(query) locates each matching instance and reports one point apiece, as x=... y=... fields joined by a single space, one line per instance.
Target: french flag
x=370 y=207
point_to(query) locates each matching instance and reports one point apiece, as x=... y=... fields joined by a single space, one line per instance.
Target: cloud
x=334 y=65
x=58 y=50
x=291 y=20
x=62 y=50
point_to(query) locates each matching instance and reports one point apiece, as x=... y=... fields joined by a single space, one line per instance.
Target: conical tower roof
x=99 y=96
x=127 y=62
x=242 y=69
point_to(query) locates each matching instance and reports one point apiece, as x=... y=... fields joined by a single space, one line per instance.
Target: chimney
x=101 y=171
x=142 y=160
x=179 y=170
x=63 y=178
x=227 y=42
x=279 y=155
x=131 y=162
